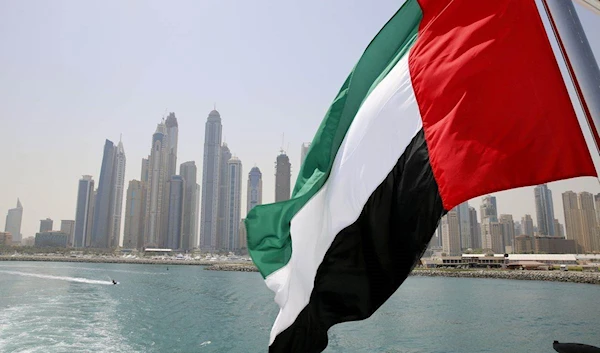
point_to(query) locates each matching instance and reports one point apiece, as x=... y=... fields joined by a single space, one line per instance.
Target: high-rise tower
x=282 y=177
x=84 y=212
x=156 y=195
x=175 y=220
x=304 y=151
x=188 y=172
x=475 y=228
x=223 y=199
x=451 y=233
x=507 y=227
x=172 y=136
x=589 y=226
x=13 y=222
x=254 y=190
x=544 y=210
x=527 y=225
x=464 y=225
x=103 y=211
x=117 y=199
x=67 y=226
x=234 y=204
x=491 y=235
x=46 y=225
x=210 y=181
x=134 y=216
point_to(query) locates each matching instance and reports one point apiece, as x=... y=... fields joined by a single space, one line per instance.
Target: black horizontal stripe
x=370 y=259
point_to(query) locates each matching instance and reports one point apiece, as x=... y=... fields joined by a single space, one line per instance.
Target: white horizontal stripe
x=382 y=129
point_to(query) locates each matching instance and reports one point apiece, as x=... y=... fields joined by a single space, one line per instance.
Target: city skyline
x=224 y=151
x=132 y=83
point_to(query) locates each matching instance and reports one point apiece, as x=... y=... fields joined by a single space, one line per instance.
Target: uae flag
x=453 y=99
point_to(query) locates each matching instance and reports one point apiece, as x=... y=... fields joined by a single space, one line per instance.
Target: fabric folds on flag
x=450 y=101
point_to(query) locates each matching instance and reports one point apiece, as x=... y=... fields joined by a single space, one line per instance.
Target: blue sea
x=73 y=307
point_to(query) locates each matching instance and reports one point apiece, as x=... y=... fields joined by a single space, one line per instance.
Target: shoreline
x=552 y=276
x=111 y=260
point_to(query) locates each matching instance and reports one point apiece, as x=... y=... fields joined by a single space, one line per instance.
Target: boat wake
x=60 y=278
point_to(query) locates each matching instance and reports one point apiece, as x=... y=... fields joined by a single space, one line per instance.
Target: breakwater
x=232 y=267
x=555 y=276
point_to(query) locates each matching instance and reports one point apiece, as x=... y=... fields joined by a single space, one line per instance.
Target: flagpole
x=579 y=59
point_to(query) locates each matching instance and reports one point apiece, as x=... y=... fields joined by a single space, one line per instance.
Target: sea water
x=74 y=307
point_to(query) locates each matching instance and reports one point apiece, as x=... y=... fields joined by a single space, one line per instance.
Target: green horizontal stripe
x=268 y=226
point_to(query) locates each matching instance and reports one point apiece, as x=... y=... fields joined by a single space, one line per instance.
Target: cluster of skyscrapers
x=222 y=227
x=460 y=229
x=162 y=209
x=98 y=211
x=168 y=209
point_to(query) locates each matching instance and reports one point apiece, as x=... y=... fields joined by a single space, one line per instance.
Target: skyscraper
x=436 y=239
x=494 y=238
x=234 y=203
x=489 y=209
x=210 y=181
x=68 y=227
x=573 y=219
x=518 y=229
x=145 y=167
x=103 y=210
x=464 y=225
x=544 y=210
x=84 y=212
x=475 y=229
x=46 y=225
x=559 y=230
x=196 y=243
x=527 y=225
x=117 y=199
x=133 y=235
x=589 y=225
x=304 y=151
x=223 y=199
x=254 y=190
x=175 y=220
x=507 y=227
x=14 y=218
x=243 y=237
x=491 y=236
x=188 y=172
x=173 y=136
x=156 y=195
x=451 y=233
x=172 y=128
x=282 y=177
x=143 y=194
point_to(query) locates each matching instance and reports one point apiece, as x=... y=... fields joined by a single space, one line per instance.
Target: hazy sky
x=74 y=73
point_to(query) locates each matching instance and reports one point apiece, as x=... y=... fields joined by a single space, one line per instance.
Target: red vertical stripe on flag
x=495 y=109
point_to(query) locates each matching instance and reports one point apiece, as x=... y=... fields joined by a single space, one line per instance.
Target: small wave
x=60 y=278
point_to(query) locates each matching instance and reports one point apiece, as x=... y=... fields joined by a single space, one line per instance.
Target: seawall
x=555 y=276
